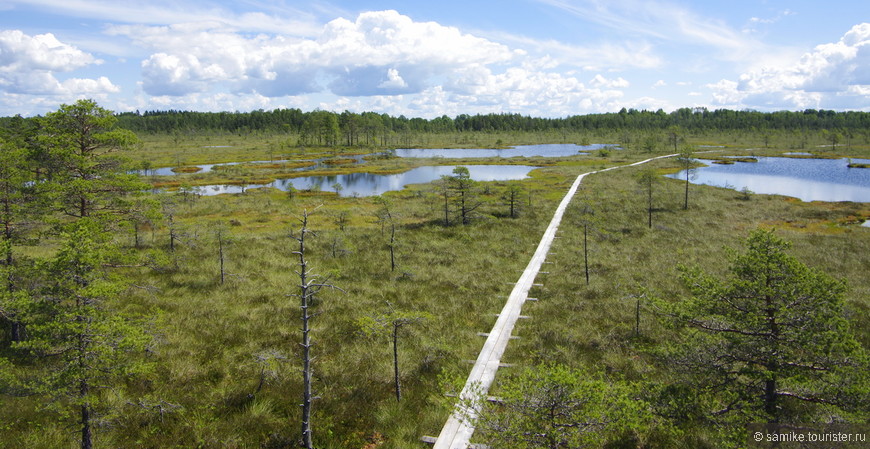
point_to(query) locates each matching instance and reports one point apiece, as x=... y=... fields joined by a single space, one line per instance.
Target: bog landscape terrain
x=272 y=279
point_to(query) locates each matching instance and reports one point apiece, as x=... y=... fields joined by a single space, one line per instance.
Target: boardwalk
x=457 y=432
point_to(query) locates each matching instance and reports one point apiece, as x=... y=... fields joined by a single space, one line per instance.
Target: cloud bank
x=380 y=53
x=28 y=65
x=625 y=53
x=382 y=61
x=832 y=76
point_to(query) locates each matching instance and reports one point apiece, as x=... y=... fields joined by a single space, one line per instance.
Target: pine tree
x=82 y=141
x=83 y=346
x=770 y=340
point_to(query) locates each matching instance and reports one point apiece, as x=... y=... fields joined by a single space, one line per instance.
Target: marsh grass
x=186 y=169
x=596 y=326
x=209 y=334
x=207 y=376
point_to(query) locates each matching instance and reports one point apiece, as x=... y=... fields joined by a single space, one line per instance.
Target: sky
x=544 y=58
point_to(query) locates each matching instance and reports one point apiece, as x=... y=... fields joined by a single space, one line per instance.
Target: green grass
x=195 y=148
x=593 y=326
x=208 y=335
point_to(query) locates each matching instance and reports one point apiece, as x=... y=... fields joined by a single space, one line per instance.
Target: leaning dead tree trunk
x=309 y=287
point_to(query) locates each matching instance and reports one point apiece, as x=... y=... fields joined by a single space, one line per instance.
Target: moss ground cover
x=609 y=325
x=226 y=367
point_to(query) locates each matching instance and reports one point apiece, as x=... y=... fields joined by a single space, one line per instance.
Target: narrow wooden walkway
x=457 y=431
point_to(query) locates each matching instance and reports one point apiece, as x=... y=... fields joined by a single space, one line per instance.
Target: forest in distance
x=688 y=118
x=137 y=313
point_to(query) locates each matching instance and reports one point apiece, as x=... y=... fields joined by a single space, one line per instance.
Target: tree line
x=350 y=128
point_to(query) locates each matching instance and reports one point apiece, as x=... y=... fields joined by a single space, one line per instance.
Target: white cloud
x=650 y=104
x=600 y=81
x=380 y=53
x=544 y=94
x=28 y=65
x=20 y=52
x=394 y=81
x=754 y=22
x=833 y=75
x=664 y=21
x=282 y=19
x=381 y=61
x=86 y=86
x=611 y=56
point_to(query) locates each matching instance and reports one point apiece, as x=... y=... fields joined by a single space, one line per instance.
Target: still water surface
x=205 y=168
x=368 y=184
x=806 y=179
x=548 y=150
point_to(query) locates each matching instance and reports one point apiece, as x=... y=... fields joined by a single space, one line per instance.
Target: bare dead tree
x=444 y=190
x=685 y=159
x=386 y=216
x=587 y=220
x=648 y=178
x=223 y=241
x=310 y=286
x=268 y=362
x=391 y=322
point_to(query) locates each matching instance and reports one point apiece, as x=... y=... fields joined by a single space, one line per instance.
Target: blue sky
x=549 y=58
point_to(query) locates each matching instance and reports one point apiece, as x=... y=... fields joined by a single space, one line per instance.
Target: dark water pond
x=549 y=150
x=806 y=179
x=368 y=184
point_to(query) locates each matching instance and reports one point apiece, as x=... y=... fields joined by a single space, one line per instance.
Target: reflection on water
x=205 y=168
x=806 y=179
x=549 y=150
x=367 y=184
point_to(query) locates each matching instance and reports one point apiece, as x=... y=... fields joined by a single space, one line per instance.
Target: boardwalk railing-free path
x=459 y=428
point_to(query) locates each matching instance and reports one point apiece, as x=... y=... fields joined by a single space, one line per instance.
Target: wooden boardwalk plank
x=457 y=432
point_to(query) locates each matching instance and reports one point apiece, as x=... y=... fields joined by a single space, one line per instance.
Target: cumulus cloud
x=28 y=65
x=87 y=86
x=833 y=75
x=385 y=61
x=380 y=53
x=394 y=81
x=546 y=94
x=600 y=81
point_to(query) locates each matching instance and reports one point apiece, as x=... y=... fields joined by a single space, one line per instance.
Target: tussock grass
x=595 y=326
x=209 y=335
